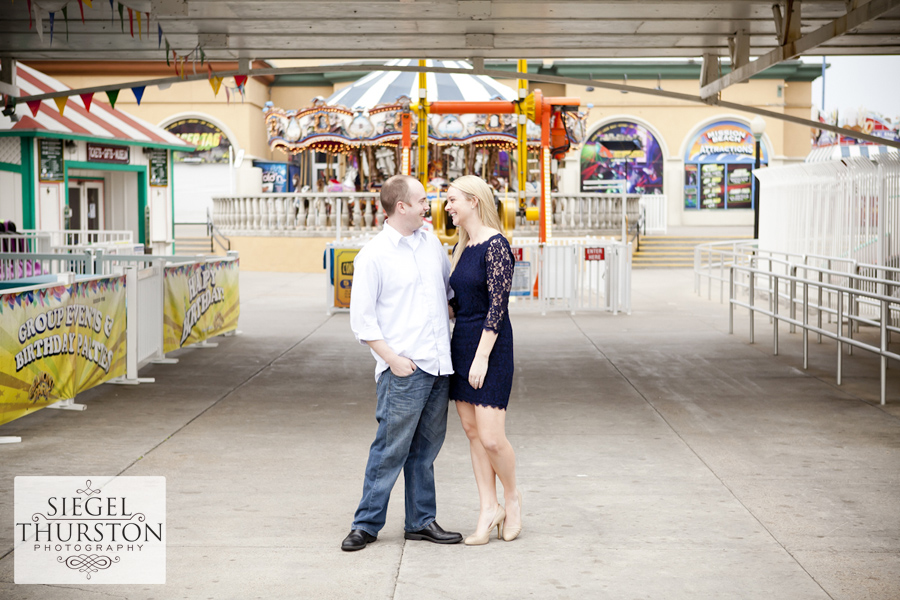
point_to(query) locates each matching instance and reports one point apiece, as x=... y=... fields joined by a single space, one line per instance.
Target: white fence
x=655 y=211
x=576 y=274
x=346 y=213
x=845 y=209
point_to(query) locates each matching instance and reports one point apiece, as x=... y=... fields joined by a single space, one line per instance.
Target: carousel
x=370 y=130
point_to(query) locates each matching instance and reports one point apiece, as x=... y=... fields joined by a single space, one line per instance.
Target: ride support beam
x=522 y=136
x=792 y=48
x=491 y=107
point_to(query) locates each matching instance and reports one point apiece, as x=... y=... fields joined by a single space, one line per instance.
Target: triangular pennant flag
x=215 y=82
x=35 y=106
x=138 y=93
x=202 y=57
x=66 y=19
x=61 y=103
x=148 y=26
x=240 y=79
x=122 y=16
x=227 y=95
x=209 y=70
x=140 y=30
x=112 y=96
x=167 y=52
x=89 y=3
x=87 y=98
x=159 y=45
x=30 y=21
x=175 y=60
x=183 y=72
x=112 y=12
x=52 y=20
x=131 y=21
x=81 y=8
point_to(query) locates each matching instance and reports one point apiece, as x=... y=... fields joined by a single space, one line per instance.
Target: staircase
x=672 y=252
x=194 y=245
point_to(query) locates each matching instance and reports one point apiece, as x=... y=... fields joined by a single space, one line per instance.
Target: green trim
x=11 y=168
x=86 y=178
x=29 y=181
x=142 y=176
x=98 y=166
x=88 y=138
x=172 y=192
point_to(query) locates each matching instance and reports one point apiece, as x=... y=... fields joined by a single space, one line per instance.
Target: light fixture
x=757 y=127
x=624 y=82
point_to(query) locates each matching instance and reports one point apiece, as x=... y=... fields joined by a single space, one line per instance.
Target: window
x=622 y=150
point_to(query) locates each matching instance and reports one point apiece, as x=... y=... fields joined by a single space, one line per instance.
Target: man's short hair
x=394 y=190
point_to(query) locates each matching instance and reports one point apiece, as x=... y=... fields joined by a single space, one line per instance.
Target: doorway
x=85 y=205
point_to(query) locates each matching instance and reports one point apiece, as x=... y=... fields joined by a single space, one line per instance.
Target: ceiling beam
x=790 y=49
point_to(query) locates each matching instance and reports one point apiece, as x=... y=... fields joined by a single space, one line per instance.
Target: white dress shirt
x=400 y=290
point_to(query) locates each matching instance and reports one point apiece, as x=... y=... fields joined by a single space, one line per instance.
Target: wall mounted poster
x=159 y=168
x=51 y=157
x=740 y=188
x=712 y=186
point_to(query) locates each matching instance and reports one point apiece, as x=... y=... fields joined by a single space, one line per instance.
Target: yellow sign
x=58 y=341
x=343 y=275
x=202 y=301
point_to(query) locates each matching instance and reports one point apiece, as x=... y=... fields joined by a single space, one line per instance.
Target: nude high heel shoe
x=511 y=533
x=497 y=521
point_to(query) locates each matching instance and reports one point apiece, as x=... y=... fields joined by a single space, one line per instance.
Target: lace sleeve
x=499 y=265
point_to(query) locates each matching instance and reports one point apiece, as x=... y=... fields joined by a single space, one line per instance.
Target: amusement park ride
x=381 y=136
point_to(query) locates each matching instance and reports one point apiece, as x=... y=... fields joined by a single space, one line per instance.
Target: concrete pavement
x=660 y=458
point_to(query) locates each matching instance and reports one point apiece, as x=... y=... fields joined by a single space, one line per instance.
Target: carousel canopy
x=384 y=87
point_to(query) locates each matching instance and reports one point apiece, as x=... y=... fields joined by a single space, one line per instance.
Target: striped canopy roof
x=384 y=87
x=101 y=122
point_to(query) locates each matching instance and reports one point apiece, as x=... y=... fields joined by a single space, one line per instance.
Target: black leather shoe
x=434 y=533
x=357 y=540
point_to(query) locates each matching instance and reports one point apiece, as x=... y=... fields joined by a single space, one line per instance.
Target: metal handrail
x=886 y=302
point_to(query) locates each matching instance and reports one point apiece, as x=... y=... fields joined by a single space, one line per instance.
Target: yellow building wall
x=281 y=254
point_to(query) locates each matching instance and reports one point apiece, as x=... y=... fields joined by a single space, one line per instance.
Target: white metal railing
x=17 y=265
x=572 y=274
x=847 y=297
x=846 y=208
x=353 y=213
x=656 y=214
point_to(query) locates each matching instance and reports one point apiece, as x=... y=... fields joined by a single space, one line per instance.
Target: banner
x=202 y=301
x=58 y=341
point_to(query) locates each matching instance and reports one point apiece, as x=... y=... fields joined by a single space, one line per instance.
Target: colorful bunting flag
x=35 y=106
x=52 y=20
x=29 y=15
x=122 y=17
x=87 y=98
x=140 y=29
x=81 y=8
x=202 y=57
x=148 y=26
x=112 y=96
x=66 y=19
x=159 y=45
x=61 y=103
x=131 y=21
x=138 y=93
x=215 y=82
x=227 y=95
x=167 y=51
x=89 y=3
x=240 y=79
x=112 y=12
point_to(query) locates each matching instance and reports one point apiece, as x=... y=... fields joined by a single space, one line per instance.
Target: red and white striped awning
x=101 y=122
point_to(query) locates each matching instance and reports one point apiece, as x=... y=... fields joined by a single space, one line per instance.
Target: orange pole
x=546 y=201
x=462 y=108
x=406 y=121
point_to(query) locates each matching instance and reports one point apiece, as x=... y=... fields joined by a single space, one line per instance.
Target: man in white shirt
x=398 y=307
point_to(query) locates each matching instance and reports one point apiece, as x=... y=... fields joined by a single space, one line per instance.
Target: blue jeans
x=412 y=423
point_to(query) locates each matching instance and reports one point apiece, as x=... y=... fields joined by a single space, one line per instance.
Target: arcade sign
x=119 y=155
x=211 y=142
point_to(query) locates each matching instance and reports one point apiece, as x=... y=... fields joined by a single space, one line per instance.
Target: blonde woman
x=482 y=352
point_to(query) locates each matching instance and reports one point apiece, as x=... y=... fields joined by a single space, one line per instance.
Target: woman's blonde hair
x=475 y=188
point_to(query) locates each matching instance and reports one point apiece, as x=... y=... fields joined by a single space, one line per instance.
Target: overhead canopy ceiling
x=272 y=29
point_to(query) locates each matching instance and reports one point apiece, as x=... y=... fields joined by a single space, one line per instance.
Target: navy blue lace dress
x=481 y=282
